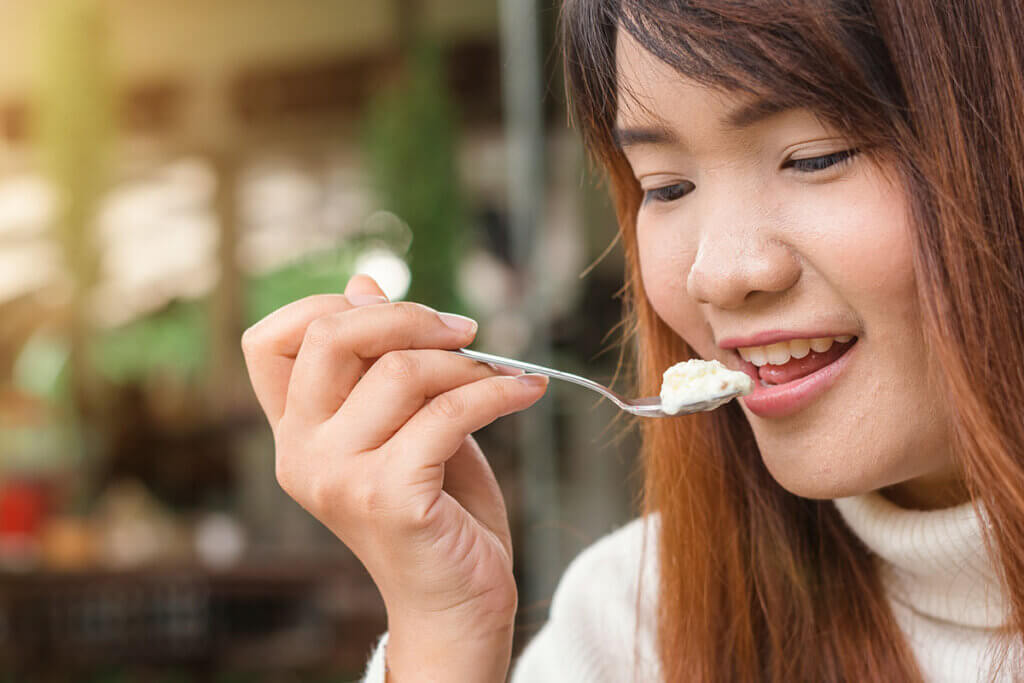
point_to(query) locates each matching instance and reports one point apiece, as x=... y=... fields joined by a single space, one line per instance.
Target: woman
x=825 y=195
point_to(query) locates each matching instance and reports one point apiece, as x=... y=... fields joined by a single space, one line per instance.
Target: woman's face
x=760 y=233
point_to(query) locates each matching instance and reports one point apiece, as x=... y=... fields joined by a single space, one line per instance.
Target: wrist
x=424 y=654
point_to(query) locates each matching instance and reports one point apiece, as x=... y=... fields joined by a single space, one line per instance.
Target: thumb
x=363 y=285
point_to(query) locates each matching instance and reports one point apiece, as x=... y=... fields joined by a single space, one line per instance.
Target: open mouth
x=790 y=375
x=789 y=361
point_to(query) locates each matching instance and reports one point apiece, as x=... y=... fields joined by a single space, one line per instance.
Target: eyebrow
x=644 y=135
x=742 y=117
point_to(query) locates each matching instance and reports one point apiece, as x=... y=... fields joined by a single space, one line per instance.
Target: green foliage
x=410 y=147
x=40 y=366
x=324 y=272
x=175 y=340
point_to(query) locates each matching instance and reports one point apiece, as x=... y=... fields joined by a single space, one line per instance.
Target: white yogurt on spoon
x=698 y=380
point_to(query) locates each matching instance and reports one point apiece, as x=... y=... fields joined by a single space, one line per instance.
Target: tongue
x=800 y=367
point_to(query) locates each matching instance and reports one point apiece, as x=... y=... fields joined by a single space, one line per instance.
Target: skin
x=741 y=242
x=372 y=420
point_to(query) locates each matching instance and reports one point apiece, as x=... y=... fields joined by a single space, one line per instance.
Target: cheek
x=666 y=257
x=872 y=266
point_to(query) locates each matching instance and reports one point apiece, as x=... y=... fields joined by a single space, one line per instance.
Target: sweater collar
x=932 y=561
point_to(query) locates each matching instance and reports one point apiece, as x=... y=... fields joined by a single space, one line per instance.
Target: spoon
x=644 y=407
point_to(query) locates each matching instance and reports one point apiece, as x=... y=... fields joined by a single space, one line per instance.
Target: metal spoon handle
x=540 y=369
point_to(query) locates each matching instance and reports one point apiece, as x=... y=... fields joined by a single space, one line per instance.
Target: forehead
x=650 y=92
x=659 y=105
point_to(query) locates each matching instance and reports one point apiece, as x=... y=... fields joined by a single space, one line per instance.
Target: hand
x=371 y=423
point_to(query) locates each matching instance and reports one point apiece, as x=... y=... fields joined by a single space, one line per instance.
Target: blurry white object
x=485 y=283
x=220 y=540
x=507 y=332
x=27 y=206
x=388 y=228
x=158 y=237
x=27 y=267
x=136 y=530
x=280 y=192
x=388 y=269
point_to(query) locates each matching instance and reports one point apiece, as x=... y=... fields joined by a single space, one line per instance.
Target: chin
x=822 y=491
x=819 y=481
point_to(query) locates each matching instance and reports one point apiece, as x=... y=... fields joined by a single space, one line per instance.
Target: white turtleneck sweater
x=941 y=585
x=940 y=581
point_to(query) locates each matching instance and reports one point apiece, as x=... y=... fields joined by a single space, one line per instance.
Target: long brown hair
x=757 y=583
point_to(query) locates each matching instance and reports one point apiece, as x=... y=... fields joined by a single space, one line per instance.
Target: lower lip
x=792 y=397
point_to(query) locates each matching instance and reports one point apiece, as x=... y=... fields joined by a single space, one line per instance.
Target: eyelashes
x=675 y=191
x=812 y=164
x=669 y=193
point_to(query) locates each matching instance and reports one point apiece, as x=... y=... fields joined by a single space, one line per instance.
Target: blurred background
x=172 y=172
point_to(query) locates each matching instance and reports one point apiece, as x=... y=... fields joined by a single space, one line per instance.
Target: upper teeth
x=781 y=352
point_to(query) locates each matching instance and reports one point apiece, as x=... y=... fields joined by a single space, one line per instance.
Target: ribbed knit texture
x=941 y=583
x=942 y=587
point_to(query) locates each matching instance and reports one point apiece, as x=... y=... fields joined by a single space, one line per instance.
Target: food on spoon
x=698 y=380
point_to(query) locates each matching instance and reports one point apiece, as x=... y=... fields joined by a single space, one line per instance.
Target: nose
x=740 y=254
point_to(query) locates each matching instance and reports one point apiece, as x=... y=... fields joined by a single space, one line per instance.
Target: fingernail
x=459 y=323
x=366 y=299
x=505 y=370
x=533 y=380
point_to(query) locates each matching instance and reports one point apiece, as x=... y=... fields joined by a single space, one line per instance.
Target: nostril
x=722 y=288
x=727 y=272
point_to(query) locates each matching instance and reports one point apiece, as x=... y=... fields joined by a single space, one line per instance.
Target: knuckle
x=323 y=495
x=320 y=333
x=251 y=340
x=408 y=312
x=501 y=390
x=366 y=497
x=449 y=406
x=398 y=366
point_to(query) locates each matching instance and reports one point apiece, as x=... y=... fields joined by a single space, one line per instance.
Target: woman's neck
x=930 y=492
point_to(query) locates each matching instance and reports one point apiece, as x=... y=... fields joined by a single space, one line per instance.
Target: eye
x=668 y=193
x=812 y=164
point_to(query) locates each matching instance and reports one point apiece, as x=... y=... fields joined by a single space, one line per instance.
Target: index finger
x=271 y=345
